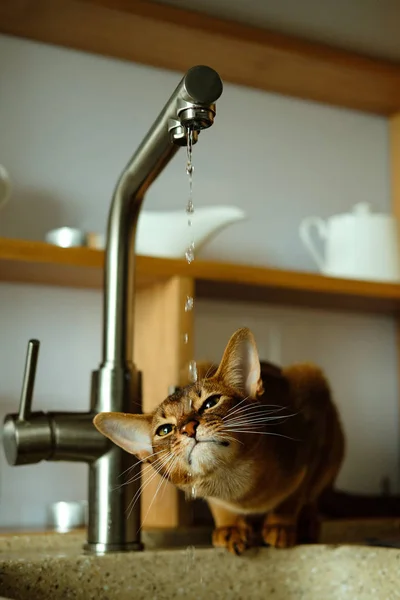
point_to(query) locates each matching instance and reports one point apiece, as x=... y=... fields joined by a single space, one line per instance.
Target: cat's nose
x=189 y=428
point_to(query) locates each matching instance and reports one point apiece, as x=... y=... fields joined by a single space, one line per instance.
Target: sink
x=54 y=566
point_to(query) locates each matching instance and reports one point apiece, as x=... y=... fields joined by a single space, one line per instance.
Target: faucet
x=29 y=437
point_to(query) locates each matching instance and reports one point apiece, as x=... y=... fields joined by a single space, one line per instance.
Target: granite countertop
x=54 y=566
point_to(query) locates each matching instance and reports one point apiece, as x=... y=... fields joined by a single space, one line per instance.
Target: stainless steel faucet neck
x=191 y=105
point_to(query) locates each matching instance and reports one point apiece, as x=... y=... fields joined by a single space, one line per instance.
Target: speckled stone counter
x=51 y=567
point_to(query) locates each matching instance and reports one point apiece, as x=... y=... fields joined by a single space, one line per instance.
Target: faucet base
x=99 y=549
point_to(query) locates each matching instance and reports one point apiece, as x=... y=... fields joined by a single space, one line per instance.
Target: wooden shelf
x=171 y=38
x=40 y=263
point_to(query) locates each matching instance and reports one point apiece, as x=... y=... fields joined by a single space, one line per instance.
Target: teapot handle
x=5 y=186
x=305 y=235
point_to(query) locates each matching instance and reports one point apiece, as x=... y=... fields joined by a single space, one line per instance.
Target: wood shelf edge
x=38 y=262
x=41 y=252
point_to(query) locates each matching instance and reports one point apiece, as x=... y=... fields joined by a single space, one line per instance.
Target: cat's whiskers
x=260 y=419
x=254 y=411
x=232 y=439
x=220 y=436
x=129 y=468
x=251 y=431
x=138 y=462
x=141 y=473
x=138 y=494
x=236 y=407
x=218 y=433
x=259 y=404
x=255 y=406
x=216 y=430
x=210 y=368
x=163 y=480
x=157 y=471
x=197 y=386
x=260 y=425
x=143 y=460
x=134 y=478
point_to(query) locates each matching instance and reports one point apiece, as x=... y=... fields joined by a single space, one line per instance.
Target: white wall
x=68 y=124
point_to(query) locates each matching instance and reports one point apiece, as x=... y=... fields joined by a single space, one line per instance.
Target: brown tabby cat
x=251 y=441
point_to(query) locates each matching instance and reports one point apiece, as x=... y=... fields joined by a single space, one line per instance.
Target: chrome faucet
x=30 y=437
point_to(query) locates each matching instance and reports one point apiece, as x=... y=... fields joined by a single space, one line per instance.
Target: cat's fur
x=250 y=440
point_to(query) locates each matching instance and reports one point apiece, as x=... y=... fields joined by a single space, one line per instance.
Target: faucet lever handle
x=28 y=381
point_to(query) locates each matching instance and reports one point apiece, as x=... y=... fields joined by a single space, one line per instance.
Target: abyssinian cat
x=251 y=441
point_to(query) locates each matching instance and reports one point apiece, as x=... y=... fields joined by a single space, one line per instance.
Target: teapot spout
x=166 y=233
x=208 y=221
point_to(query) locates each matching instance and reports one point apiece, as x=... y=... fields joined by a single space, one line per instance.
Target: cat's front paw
x=279 y=535
x=234 y=538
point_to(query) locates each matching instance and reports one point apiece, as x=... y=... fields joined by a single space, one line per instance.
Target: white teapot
x=358 y=245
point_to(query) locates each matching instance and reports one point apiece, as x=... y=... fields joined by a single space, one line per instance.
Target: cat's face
x=192 y=434
x=192 y=427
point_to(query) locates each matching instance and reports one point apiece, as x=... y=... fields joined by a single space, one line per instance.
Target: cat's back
x=309 y=390
x=317 y=418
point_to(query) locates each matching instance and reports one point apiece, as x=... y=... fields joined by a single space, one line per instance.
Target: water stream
x=189 y=253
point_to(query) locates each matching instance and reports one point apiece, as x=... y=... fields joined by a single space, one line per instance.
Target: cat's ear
x=130 y=432
x=240 y=364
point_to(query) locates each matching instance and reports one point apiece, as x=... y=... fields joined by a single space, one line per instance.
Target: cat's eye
x=210 y=402
x=164 y=429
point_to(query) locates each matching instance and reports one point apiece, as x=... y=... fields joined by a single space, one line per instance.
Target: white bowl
x=66 y=237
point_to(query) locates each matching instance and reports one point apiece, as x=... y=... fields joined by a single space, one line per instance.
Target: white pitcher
x=358 y=245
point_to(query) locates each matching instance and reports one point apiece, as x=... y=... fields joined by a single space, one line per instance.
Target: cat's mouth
x=209 y=441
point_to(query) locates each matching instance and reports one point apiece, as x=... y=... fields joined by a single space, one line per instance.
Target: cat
x=256 y=443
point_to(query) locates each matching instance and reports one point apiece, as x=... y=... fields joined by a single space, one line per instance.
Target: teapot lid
x=362 y=208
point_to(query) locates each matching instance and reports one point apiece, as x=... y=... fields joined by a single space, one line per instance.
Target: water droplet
x=189 y=303
x=193 y=493
x=185 y=338
x=190 y=556
x=190 y=205
x=193 y=371
x=189 y=143
x=189 y=254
